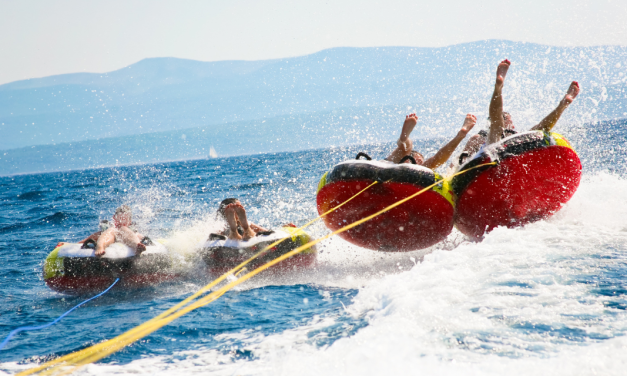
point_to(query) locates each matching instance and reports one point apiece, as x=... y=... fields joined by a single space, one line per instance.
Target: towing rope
x=30 y=328
x=238 y=269
x=69 y=363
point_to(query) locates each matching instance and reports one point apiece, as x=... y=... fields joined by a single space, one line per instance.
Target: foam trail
x=525 y=300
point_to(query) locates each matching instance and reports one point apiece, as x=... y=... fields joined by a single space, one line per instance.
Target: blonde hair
x=124 y=209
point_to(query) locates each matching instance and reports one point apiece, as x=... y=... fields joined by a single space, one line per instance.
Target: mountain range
x=331 y=98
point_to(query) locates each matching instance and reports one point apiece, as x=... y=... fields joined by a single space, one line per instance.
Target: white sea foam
x=516 y=303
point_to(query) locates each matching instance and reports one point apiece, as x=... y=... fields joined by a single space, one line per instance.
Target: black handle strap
x=362 y=154
x=89 y=244
x=462 y=157
x=216 y=237
x=407 y=157
x=147 y=241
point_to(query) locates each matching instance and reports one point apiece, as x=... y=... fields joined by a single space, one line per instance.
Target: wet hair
x=505 y=113
x=124 y=209
x=510 y=117
x=104 y=225
x=420 y=154
x=223 y=205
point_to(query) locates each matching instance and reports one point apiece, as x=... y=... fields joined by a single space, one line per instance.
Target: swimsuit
x=484 y=133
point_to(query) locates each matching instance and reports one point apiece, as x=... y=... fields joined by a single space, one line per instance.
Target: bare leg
x=404 y=144
x=106 y=239
x=229 y=214
x=127 y=236
x=241 y=214
x=551 y=119
x=496 y=104
x=258 y=228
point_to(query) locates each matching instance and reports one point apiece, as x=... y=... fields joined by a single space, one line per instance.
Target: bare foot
x=241 y=215
x=571 y=94
x=233 y=206
x=140 y=248
x=249 y=233
x=100 y=252
x=231 y=219
x=501 y=71
x=409 y=124
x=234 y=235
x=469 y=123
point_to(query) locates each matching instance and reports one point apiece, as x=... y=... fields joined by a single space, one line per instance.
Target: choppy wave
x=550 y=297
x=547 y=298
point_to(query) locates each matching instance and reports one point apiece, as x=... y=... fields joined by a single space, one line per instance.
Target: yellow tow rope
x=71 y=362
x=79 y=355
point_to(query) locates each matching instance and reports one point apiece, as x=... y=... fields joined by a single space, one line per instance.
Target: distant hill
x=231 y=99
x=285 y=133
x=281 y=133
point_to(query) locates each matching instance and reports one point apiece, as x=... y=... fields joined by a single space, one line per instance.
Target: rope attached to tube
x=30 y=328
x=140 y=328
x=71 y=362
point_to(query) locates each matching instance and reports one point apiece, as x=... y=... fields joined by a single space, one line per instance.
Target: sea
x=547 y=298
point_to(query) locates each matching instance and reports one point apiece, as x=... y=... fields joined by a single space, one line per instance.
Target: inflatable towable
x=418 y=223
x=536 y=173
x=221 y=254
x=72 y=268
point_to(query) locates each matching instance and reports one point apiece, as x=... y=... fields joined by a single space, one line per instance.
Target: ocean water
x=547 y=298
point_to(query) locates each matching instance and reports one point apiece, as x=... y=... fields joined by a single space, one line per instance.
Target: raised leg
x=551 y=119
x=231 y=220
x=497 y=124
x=404 y=143
x=241 y=214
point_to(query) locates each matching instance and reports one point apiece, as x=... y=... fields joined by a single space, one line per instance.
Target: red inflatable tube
x=418 y=223
x=89 y=285
x=535 y=176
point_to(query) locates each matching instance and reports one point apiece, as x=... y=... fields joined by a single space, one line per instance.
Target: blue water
x=38 y=211
x=520 y=298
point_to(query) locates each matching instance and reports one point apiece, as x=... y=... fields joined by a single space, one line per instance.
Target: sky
x=46 y=37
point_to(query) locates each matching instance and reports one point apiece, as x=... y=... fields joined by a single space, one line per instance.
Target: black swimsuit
x=506 y=133
x=483 y=133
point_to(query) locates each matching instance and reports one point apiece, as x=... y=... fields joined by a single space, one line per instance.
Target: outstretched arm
x=404 y=144
x=551 y=119
x=447 y=150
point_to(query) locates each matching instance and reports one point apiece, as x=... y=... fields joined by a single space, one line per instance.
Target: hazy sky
x=45 y=37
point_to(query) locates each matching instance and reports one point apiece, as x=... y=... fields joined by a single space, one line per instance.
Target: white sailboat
x=212 y=152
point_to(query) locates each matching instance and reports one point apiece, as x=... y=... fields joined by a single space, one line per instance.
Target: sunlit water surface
x=548 y=298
